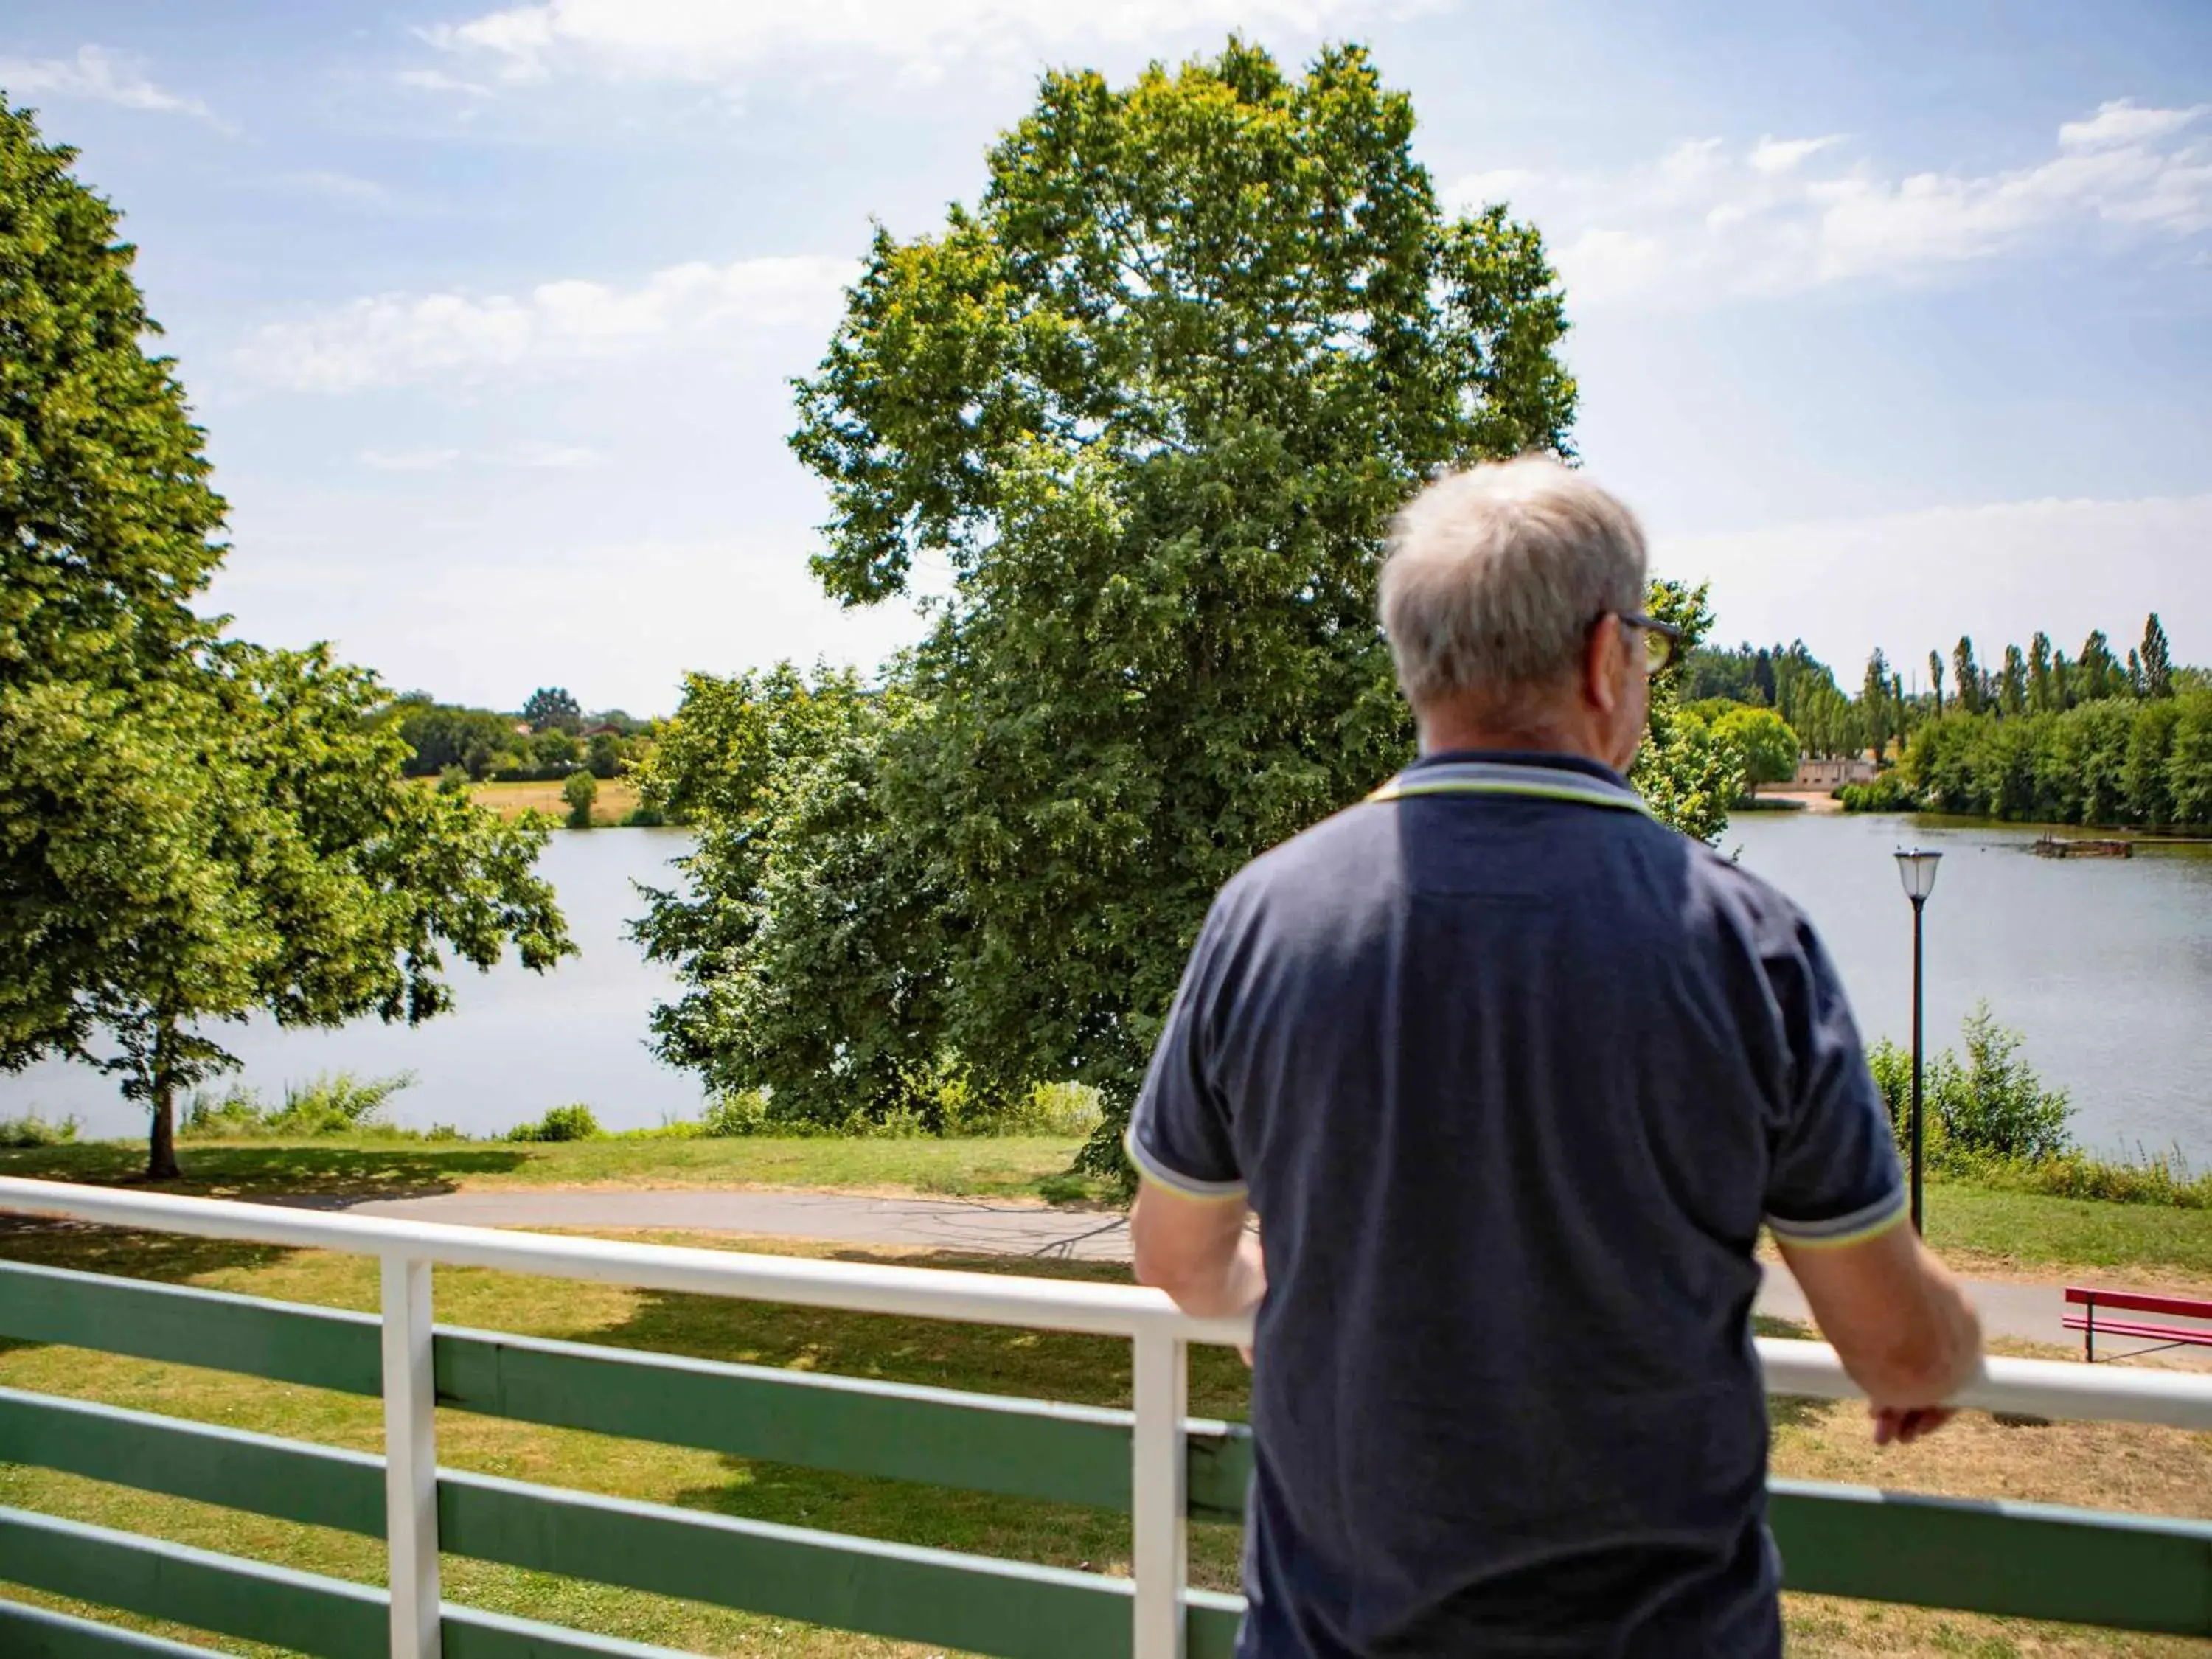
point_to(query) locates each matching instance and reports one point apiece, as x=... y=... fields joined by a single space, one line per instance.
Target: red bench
x=2092 y=1302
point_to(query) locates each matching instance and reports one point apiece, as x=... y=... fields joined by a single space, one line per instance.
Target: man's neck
x=1446 y=736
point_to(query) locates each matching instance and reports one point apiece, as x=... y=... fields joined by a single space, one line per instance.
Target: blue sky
x=1894 y=321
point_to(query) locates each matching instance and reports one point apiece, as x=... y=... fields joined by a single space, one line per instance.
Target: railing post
x=1159 y=1506
x=410 y=1459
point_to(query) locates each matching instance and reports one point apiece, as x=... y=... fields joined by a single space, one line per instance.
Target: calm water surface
x=2106 y=965
x=515 y=1043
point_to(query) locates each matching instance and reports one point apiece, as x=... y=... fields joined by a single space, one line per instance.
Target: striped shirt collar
x=1544 y=777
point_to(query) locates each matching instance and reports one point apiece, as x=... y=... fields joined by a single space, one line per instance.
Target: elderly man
x=1513 y=1075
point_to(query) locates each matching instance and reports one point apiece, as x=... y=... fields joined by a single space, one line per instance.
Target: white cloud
x=431 y=80
x=1998 y=571
x=544 y=456
x=408 y=460
x=2123 y=121
x=557 y=457
x=1783 y=154
x=1708 y=221
x=340 y=186
x=102 y=75
x=398 y=339
x=720 y=41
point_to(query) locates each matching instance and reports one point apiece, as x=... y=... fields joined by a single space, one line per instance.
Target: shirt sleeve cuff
x=1869 y=1221
x=1150 y=1166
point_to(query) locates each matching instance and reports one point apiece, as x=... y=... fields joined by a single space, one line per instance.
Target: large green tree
x=190 y=829
x=1144 y=411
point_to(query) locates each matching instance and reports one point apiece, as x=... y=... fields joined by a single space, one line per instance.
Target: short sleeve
x=1834 y=1176
x=1179 y=1135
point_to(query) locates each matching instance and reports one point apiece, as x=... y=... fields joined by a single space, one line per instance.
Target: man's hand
x=1903 y=1329
x=1904 y=1427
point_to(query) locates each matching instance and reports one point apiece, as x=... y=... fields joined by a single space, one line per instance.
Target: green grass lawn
x=2150 y=1470
x=2063 y=1237
x=989 y=1166
x=1978 y=1228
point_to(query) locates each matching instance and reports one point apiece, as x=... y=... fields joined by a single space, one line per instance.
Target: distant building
x=1832 y=774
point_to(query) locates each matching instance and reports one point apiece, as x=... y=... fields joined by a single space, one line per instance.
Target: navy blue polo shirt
x=1512 y=1074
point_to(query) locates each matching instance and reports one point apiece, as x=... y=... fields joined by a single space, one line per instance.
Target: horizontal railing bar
x=2025 y=1387
x=982 y=1442
x=2014 y=1560
x=283 y=1341
x=287 y=1479
x=2056 y=1388
x=324 y=1618
x=853 y=1286
x=977 y=1603
x=28 y=1632
x=465 y=1632
x=2135 y=1572
x=974 y=1442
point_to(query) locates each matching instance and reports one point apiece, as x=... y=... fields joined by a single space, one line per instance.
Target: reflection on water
x=2106 y=965
x=516 y=1042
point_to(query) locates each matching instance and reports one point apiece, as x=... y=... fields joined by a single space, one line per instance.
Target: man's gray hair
x=1495 y=575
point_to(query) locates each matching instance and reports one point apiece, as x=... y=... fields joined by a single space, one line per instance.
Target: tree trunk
x=161 y=1144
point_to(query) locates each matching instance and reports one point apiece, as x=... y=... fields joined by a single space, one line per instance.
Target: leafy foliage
x=2117 y=762
x=579 y=791
x=339 y=1104
x=1765 y=747
x=31 y=1131
x=190 y=829
x=574 y=1123
x=1988 y=1105
x=1149 y=404
x=551 y=709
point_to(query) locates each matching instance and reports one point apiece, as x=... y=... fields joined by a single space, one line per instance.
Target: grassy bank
x=368 y=1165
x=616 y=800
x=2147 y=1470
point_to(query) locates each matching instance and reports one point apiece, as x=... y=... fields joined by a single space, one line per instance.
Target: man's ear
x=1601 y=664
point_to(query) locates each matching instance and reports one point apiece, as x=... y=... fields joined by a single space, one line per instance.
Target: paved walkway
x=2026 y=1312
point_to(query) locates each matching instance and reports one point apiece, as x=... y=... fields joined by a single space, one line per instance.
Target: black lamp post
x=1917 y=870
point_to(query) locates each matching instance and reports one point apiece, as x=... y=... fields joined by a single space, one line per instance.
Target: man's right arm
x=1836 y=1203
x=1897 y=1319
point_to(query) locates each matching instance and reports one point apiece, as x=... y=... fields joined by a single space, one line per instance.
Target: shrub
x=31 y=1130
x=579 y=791
x=645 y=817
x=732 y=1115
x=1989 y=1106
x=1888 y=793
x=452 y=780
x=573 y=1122
x=334 y=1104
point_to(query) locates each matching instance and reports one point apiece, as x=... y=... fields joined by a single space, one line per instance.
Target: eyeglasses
x=1661 y=640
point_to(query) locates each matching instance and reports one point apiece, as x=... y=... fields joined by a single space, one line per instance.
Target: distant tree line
x=2094 y=739
x=550 y=738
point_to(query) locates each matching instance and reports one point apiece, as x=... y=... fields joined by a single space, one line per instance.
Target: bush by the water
x=20 y=1133
x=561 y=1123
x=1988 y=1105
x=1888 y=793
x=338 y=1103
x=1988 y=1119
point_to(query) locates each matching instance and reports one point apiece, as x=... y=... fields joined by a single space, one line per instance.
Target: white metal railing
x=1160 y=1335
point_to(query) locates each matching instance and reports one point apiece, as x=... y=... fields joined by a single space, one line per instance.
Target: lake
x=2104 y=964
